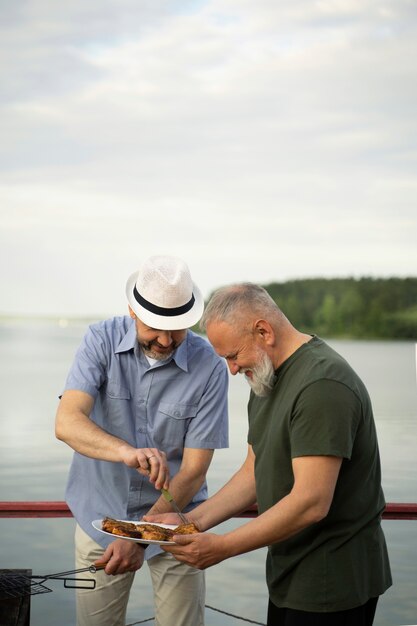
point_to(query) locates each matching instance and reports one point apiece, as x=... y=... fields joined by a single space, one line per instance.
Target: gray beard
x=263 y=376
x=158 y=356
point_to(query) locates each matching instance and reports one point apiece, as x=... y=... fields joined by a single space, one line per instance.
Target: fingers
x=148 y=462
x=184 y=540
x=162 y=518
x=105 y=559
x=122 y=556
x=198 y=550
x=182 y=550
x=185 y=551
x=157 y=467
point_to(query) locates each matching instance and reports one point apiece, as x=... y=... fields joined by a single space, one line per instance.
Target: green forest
x=363 y=308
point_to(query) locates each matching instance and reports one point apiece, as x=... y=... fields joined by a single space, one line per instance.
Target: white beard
x=263 y=376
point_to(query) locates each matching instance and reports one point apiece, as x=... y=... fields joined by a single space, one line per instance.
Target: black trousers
x=359 y=616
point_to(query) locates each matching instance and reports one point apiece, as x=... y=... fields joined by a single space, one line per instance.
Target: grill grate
x=14 y=585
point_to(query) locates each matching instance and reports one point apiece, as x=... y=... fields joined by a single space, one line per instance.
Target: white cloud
x=258 y=140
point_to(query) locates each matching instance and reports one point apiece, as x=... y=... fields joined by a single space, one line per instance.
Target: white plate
x=98 y=522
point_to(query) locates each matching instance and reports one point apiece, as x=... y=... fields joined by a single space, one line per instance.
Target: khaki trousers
x=179 y=590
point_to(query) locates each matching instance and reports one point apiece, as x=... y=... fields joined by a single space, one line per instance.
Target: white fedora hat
x=163 y=295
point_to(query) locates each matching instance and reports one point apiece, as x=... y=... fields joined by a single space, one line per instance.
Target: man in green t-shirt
x=312 y=466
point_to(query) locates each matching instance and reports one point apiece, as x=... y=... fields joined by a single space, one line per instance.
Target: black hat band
x=159 y=310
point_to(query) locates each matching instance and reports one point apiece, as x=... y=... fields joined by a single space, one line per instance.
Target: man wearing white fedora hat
x=145 y=399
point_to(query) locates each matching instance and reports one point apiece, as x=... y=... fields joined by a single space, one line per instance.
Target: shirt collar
x=180 y=355
x=129 y=340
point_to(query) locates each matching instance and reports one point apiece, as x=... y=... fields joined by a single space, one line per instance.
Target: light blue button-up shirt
x=175 y=404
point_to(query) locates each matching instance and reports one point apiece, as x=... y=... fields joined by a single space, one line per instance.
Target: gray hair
x=237 y=303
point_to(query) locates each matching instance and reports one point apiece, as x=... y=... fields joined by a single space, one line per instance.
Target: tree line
x=362 y=308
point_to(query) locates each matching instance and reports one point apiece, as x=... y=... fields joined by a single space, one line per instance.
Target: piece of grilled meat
x=122 y=529
x=186 y=529
x=155 y=533
x=148 y=532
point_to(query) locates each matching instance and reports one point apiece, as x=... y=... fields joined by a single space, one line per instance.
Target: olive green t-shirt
x=319 y=406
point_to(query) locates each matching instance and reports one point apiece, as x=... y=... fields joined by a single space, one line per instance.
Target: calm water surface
x=34 y=465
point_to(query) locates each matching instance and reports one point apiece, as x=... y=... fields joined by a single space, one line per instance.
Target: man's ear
x=264 y=331
x=131 y=312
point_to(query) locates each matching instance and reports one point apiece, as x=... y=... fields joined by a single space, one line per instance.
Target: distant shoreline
x=342 y=308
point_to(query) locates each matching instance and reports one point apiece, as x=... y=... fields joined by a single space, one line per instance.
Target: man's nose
x=233 y=368
x=165 y=338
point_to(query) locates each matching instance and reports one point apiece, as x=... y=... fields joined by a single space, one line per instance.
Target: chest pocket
x=116 y=391
x=117 y=409
x=172 y=421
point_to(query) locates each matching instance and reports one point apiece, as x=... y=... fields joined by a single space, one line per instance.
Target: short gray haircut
x=239 y=302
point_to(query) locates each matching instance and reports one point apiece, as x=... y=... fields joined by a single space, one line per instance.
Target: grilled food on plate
x=185 y=529
x=149 y=532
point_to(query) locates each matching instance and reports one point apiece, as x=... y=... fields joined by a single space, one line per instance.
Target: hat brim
x=165 y=322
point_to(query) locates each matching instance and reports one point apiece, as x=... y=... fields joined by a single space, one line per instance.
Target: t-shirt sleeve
x=325 y=419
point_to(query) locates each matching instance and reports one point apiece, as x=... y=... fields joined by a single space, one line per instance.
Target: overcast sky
x=259 y=141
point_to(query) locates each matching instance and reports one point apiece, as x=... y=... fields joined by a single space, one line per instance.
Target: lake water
x=34 y=361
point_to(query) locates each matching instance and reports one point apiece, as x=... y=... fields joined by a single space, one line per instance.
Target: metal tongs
x=14 y=584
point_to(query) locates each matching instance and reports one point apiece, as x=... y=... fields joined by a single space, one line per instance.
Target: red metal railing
x=393 y=510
